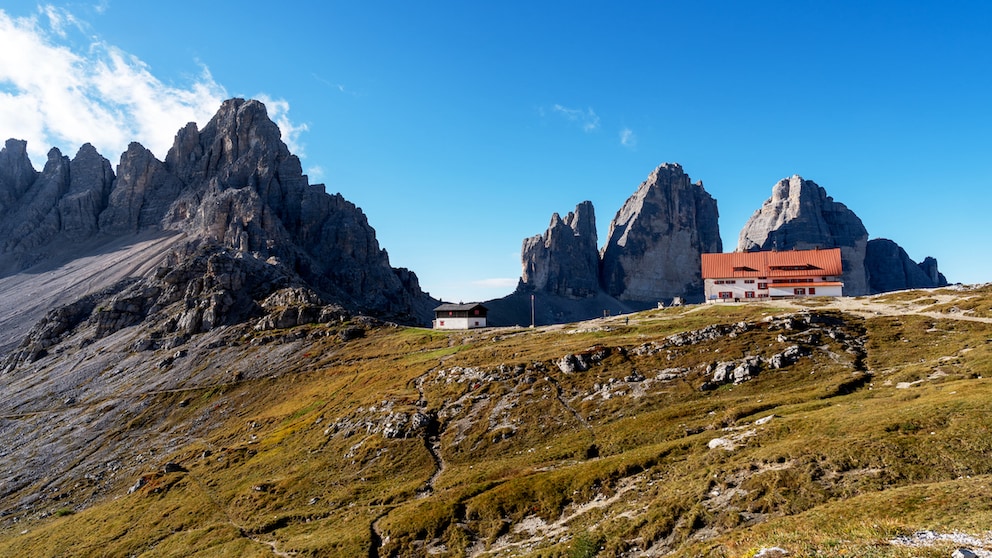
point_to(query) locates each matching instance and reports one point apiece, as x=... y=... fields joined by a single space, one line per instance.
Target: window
x=441 y=322
x=724 y=282
x=748 y=281
x=749 y=294
x=762 y=295
x=762 y=285
x=476 y=313
x=812 y=290
x=799 y=291
x=476 y=324
x=726 y=295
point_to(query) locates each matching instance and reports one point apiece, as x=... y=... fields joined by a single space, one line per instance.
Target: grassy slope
x=538 y=462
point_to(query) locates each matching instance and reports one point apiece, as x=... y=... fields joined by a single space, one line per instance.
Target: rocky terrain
x=232 y=187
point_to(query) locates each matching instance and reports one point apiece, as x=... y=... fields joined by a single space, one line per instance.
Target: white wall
x=739 y=288
x=459 y=323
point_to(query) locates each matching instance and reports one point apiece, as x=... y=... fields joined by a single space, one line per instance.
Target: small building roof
x=790 y=263
x=449 y=307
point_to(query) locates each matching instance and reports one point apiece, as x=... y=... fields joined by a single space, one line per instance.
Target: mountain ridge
x=233 y=185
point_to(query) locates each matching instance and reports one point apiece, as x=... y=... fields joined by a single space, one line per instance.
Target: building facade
x=460 y=316
x=743 y=276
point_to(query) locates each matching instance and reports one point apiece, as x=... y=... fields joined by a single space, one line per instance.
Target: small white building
x=460 y=316
x=755 y=275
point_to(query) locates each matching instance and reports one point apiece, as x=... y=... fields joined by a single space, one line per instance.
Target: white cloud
x=496 y=283
x=628 y=138
x=278 y=110
x=587 y=119
x=53 y=93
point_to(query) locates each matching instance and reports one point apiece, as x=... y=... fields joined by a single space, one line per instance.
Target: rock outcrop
x=929 y=267
x=565 y=259
x=656 y=239
x=16 y=173
x=801 y=216
x=891 y=269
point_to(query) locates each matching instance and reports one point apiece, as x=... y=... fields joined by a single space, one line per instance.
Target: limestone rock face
x=929 y=267
x=91 y=179
x=34 y=220
x=246 y=191
x=61 y=203
x=655 y=240
x=891 y=269
x=565 y=259
x=801 y=216
x=142 y=195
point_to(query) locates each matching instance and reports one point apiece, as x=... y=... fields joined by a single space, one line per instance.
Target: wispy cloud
x=64 y=95
x=628 y=138
x=587 y=118
x=339 y=87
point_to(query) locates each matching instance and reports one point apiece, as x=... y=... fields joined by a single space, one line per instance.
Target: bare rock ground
x=70 y=273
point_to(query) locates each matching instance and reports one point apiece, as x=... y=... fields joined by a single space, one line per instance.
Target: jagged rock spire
x=655 y=240
x=565 y=259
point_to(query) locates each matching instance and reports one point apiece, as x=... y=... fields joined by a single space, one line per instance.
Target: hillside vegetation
x=833 y=428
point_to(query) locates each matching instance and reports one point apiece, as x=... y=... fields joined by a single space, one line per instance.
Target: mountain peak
x=233 y=186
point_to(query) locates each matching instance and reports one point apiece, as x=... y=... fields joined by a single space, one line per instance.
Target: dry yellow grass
x=833 y=455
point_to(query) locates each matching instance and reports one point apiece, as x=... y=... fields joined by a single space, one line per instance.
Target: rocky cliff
x=800 y=216
x=891 y=269
x=655 y=240
x=565 y=259
x=231 y=191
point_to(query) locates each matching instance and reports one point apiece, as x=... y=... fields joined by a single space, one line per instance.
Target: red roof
x=791 y=263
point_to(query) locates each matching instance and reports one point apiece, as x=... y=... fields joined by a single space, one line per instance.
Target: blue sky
x=460 y=127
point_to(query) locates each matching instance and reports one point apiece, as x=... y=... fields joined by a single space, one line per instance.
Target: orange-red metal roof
x=791 y=263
